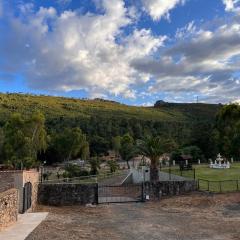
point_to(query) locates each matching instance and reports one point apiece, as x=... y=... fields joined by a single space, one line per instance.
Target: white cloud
x=186 y=31
x=206 y=64
x=71 y=51
x=232 y=5
x=160 y=8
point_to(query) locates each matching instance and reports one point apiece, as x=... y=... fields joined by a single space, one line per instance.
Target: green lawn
x=214 y=180
x=220 y=180
x=204 y=172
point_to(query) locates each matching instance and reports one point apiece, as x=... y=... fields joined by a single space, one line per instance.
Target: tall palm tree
x=153 y=148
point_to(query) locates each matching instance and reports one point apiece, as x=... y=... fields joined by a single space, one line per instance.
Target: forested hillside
x=58 y=107
x=102 y=120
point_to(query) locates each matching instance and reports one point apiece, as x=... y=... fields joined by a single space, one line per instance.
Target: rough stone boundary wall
x=6 y=181
x=67 y=194
x=8 y=208
x=170 y=188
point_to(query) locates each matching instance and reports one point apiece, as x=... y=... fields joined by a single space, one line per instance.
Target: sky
x=131 y=51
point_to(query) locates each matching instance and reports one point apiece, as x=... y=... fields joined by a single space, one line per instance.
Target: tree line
x=26 y=141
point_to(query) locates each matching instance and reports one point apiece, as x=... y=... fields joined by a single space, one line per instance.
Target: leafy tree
x=176 y=155
x=71 y=143
x=127 y=149
x=153 y=148
x=37 y=133
x=95 y=165
x=98 y=145
x=203 y=136
x=23 y=139
x=116 y=145
x=227 y=131
x=194 y=151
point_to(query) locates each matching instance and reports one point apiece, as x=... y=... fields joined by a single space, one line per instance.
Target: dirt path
x=192 y=217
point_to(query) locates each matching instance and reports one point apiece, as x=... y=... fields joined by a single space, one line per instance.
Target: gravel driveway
x=191 y=217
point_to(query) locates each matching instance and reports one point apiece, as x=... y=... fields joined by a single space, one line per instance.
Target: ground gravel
x=197 y=216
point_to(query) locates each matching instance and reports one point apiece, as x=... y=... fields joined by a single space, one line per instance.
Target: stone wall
x=67 y=194
x=170 y=188
x=6 y=181
x=8 y=208
x=17 y=179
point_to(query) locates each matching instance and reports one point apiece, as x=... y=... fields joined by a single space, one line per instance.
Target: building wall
x=8 y=208
x=6 y=181
x=140 y=175
x=17 y=179
x=32 y=177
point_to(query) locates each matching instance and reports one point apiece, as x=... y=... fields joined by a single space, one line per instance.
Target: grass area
x=204 y=172
x=214 y=180
x=219 y=180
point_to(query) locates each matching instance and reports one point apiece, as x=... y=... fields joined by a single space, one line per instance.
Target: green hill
x=101 y=120
x=56 y=107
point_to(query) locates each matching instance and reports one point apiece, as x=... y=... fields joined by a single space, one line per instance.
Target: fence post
x=169 y=173
x=220 y=186
x=237 y=185
x=96 y=194
x=208 y=184
x=198 y=184
x=194 y=173
x=143 y=192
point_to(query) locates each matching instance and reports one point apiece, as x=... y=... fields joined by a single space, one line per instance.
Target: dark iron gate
x=27 y=196
x=120 y=193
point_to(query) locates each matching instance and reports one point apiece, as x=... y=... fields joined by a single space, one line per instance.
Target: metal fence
x=173 y=171
x=219 y=186
x=85 y=179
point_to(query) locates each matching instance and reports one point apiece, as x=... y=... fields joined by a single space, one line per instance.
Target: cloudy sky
x=132 y=51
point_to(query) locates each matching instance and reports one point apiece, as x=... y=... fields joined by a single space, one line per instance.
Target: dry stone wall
x=67 y=194
x=170 y=188
x=8 y=208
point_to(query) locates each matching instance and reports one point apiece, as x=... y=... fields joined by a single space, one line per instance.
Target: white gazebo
x=220 y=163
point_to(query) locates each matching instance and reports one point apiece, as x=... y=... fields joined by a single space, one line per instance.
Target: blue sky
x=132 y=51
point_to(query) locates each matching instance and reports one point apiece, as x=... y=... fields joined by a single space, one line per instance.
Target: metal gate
x=120 y=193
x=27 y=196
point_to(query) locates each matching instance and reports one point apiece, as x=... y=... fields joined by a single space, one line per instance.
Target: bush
x=113 y=166
x=74 y=171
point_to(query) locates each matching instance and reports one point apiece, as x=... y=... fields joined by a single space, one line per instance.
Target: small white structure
x=219 y=163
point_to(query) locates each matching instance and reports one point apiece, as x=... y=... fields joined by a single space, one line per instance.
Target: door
x=27 y=196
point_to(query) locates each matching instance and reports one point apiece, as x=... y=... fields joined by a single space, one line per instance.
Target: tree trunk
x=154 y=177
x=128 y=164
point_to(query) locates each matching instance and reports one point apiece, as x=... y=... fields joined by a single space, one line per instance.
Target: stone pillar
x=232 y=160
x=186 y=162
x=199 y=161
x=173 y=163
